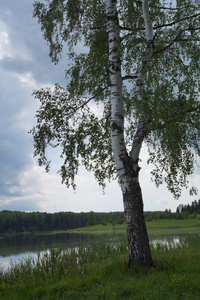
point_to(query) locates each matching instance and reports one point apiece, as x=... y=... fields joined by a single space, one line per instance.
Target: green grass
x=164 y=223
x=101 y=227
x=100 y=272
x=155 y=227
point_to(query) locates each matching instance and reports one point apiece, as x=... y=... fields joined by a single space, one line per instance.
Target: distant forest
x=189 y=208
x=16 y=221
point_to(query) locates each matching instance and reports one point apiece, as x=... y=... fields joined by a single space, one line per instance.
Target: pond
x=15 y=248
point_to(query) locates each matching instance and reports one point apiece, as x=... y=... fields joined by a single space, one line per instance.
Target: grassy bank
x=100 y=272
x=158 y=227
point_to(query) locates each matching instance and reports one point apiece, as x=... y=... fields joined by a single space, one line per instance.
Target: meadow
x=157 y=227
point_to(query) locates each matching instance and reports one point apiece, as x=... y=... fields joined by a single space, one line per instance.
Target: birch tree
x=141 y=64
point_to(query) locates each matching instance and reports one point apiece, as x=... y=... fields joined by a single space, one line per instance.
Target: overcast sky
x=25 y=66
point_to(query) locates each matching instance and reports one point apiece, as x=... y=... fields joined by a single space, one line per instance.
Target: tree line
x=182 y=212
x=194 y=207
x=16 y=221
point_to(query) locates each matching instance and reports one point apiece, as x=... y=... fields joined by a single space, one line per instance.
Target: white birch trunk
x=127 y=165
x=116 y=99
x=143 y=121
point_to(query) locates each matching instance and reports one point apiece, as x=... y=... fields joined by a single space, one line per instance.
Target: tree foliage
x=70 y=123
x=67 y=116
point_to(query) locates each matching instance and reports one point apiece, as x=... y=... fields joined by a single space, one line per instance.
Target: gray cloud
x=30 y=50
x=25 y=53
x=20 y=205
x=15 y=144
x=16 y=65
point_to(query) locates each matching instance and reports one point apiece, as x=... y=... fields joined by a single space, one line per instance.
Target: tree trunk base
x=138 y=241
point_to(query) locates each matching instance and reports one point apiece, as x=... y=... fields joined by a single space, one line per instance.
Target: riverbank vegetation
x=100 y=271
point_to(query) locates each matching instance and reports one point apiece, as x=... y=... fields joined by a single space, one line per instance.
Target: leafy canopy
x=67 y=116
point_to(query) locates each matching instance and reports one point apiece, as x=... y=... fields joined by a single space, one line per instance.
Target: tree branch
x=167 y=46
x=161 y=25
x=176 y=39
x=126 y=28
x=97 y=27
x=86 y=102
x=126 y=77
x=173 y=8
x=144 y=119
x=177 y=21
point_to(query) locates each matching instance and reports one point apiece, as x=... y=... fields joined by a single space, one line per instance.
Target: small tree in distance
x=142 y=64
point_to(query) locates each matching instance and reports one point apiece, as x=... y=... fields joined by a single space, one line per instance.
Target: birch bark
x=144 y=119
x=127 y=164
x=116 y=98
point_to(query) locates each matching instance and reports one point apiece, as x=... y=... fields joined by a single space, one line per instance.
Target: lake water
x=15 y=248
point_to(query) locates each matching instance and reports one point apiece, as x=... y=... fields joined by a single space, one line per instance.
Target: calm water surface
x=14 y=249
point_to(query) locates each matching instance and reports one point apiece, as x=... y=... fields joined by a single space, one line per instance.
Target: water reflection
x=38 y=242
x=7 y=261
x=41 y=242
x=166 y=241
x=21 y=247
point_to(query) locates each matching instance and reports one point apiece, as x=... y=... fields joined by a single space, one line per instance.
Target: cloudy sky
x=24 y=67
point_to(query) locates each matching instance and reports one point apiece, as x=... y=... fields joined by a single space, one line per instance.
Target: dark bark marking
x=128 y=165
x=139 y=82
x=115 y=127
